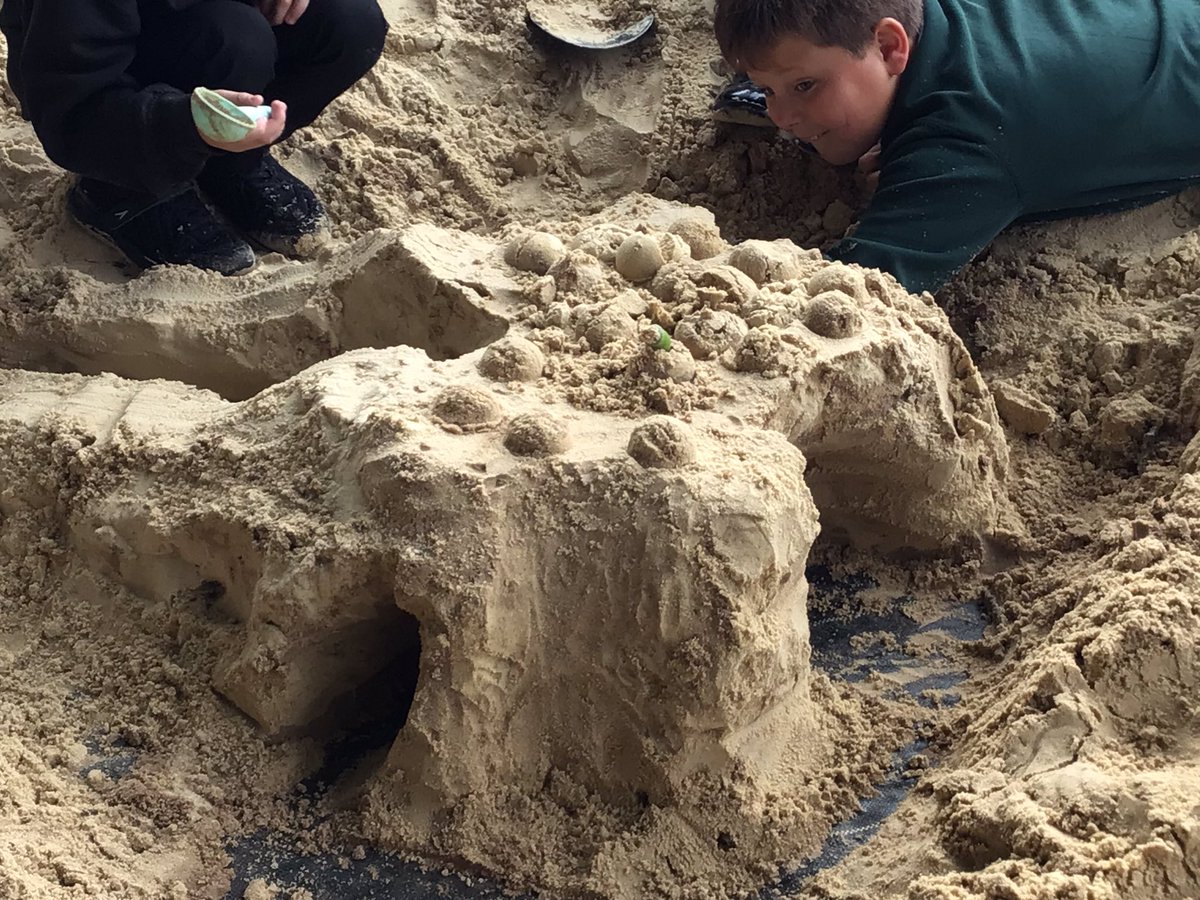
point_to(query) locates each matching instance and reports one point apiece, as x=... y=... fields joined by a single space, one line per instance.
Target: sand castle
x=607 y=584
x=454 y=463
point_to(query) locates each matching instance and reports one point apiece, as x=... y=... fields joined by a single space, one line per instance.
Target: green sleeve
x=938 y=203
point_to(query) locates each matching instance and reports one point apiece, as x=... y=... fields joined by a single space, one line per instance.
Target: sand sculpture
x=606 y=570
x=296 y=532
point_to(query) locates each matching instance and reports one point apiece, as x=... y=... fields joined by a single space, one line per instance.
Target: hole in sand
x=362 y=722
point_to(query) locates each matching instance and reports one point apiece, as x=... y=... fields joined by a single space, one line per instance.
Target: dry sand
x=235 y=514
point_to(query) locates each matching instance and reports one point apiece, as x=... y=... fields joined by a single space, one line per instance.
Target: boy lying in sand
x=106 y=84
x=984 y=111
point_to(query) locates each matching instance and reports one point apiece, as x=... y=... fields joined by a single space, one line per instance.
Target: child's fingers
x=241 y=98
x=869 y=161
x=296 y=11
x=282 y=8
x=269 y=130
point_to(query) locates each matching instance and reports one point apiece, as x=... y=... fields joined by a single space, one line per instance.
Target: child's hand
x=868 y=170
x=280 y=12
x=266 y=131
x=869 y=161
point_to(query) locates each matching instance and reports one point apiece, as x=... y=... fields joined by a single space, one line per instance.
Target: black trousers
x=230 y=44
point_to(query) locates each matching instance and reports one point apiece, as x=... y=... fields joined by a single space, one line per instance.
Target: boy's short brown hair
x=747 y=29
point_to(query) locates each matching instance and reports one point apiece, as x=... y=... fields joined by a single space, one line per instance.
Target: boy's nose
x=784 y=115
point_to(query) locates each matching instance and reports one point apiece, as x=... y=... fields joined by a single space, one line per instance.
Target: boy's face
x=828 y=96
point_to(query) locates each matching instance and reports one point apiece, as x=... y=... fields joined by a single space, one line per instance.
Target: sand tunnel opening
x=367 y=714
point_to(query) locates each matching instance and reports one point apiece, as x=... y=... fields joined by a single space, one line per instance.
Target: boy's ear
x=894 y=45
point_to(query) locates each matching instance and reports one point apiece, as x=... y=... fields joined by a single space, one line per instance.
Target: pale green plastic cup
x=222 y=120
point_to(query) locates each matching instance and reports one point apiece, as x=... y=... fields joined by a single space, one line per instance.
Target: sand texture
x=524 y=473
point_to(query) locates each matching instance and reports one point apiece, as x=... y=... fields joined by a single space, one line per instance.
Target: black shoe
x=180 y=230
x=268 y=203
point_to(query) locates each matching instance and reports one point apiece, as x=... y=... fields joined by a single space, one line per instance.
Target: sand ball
x=579 y=275
x=536 y=435
x=709 y=332
x=733 y=285
x=676 y=282
x=662 y=442
x=839 y=277
x=612 y=324
x=759 y=350
x=764 y=261
x=833 y=315
x=675 y=364
x=753 y=259
x=465 y=405
x=536 y=252
x=512 y=359
x=602 y=241
x=640 y=257
x=703 y=238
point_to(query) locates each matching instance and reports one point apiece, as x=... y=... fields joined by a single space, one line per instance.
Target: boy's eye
x=803 y=87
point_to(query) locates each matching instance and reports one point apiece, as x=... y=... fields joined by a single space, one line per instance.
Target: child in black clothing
x=107 y=85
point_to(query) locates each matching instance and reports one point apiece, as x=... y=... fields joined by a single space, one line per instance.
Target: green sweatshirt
x=1026 y=108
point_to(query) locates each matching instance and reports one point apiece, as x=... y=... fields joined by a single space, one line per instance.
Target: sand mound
x=601 y=599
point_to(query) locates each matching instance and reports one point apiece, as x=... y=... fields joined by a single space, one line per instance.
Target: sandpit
x=525 y=474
